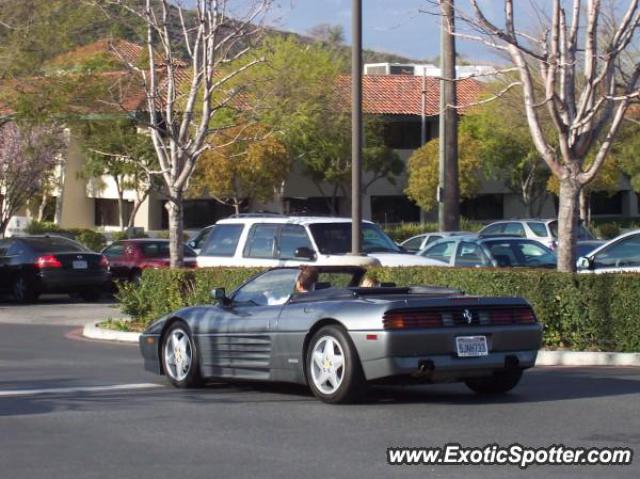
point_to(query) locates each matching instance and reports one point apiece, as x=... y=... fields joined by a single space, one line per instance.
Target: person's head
x=306 y=279
x=369 y=282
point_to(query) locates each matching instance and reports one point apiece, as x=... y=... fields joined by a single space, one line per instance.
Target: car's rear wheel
x=334 y=372
x=499 y=383
x=180 y=357
x=23 y=290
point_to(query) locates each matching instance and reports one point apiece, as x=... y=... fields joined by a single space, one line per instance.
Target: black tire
x=192 y=377
x=352 y=384
x=23 y=290
x=500 y=383
x=135 y=277
x=91 y=295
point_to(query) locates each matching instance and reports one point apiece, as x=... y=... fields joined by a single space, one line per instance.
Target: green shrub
x=608 y=230
x=579 y=311
x=91 y=239
x=122 y=235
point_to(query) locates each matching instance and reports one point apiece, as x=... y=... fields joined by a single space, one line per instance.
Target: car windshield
x=521 y=253
x=160 y=249
x=335 y=238
x=54 y=245
x=583 y=233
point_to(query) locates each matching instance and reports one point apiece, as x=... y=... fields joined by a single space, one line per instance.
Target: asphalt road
x=77 y=408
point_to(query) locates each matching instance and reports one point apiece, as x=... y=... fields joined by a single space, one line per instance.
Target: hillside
x=59 y=26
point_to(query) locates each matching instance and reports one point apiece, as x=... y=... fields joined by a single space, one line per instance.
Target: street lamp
x=356 y=129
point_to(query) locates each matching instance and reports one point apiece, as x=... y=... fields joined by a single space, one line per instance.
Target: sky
x=395 y=26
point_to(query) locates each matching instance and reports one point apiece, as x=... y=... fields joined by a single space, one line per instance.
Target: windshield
x=583 y=233
x=54 y=244
x=335 y=238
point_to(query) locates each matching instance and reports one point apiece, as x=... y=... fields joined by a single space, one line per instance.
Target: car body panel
x=268 y=342
x=627 y=263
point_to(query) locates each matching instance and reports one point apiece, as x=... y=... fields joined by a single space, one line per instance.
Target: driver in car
x=307 y=279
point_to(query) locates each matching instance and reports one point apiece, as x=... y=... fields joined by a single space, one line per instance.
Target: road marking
x=78 y=389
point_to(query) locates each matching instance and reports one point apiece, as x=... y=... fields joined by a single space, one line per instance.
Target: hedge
x=579 y=311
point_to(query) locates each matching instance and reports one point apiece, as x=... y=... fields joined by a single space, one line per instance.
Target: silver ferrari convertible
x=341 y=336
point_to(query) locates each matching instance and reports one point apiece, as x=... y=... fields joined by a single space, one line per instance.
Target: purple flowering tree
x=27 y=157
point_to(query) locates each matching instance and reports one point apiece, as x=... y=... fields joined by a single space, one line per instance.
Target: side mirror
x=191 y=244
x=584 y=263
x=305 y=253
x=220 y=295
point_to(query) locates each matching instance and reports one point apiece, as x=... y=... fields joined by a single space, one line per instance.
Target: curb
x=545 y=358
x=92 y=331
x=586 y=358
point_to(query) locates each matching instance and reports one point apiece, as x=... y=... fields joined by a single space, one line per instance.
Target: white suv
x=267 y=241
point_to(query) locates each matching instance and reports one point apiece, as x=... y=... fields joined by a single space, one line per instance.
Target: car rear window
x=53 y=245
x=539 y=229
x=160 y=249
x=222 y=241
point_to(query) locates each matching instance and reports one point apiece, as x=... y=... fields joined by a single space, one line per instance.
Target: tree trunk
x=568 y=224
x=176 y=228
x=236 y=206
x=42 y=206
x=584 y=207
x=57 y=219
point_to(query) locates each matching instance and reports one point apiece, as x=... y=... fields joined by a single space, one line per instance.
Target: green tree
x=115 y=148
x=422 y=184
x=250 y=166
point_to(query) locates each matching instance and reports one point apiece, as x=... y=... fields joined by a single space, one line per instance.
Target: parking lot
x=88 y=409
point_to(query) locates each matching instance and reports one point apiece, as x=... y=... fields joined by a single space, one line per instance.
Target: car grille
x=458 y=317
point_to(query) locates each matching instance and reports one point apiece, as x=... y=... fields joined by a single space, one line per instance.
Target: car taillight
x=48 y=261
x=512 y=316
x=412 y=320
x=104 y=262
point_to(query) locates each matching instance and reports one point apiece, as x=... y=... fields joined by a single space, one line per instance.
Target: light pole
x=356 y=129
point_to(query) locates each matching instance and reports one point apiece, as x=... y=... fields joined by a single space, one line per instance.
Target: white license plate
x=471 y=346
x=78 y=264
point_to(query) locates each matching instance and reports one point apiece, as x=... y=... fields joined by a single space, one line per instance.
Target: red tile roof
x=402 y=94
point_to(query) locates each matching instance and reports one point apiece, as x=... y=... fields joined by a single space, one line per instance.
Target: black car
x=32 y=265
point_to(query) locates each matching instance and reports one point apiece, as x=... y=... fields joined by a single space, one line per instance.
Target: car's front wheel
x=180 y=357
x=499 y=383
x=334 y=372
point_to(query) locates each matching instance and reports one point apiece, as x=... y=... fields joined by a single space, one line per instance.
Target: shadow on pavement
x=540 y=386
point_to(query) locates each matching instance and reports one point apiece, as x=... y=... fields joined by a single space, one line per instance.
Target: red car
x=127 y=258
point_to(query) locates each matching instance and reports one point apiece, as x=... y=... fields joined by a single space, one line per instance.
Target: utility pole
x=356 y=129
x=423 y=121
x=448 y=188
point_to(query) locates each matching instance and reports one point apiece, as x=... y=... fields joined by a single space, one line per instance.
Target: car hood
x=401 y=259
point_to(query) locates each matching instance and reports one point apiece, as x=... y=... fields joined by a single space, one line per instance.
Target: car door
x=115 y=256
x=470 y=255
x=441 y=251
x=623 y=255
x=240 y=336
x=5 y=276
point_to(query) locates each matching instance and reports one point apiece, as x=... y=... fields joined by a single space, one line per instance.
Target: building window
x=603 y=203
x=394 y=209
x=106 y=212
x=317 y=205
x=483 y=207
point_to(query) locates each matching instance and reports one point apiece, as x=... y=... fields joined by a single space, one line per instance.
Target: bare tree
x=587 y=82
x=27 y=155
x=186 y=83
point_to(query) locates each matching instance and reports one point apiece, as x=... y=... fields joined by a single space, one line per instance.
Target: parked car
x=407 y=334
x=128 y=258
x=543 y=230
x=199 y=239
x=420 y=242
x=33 y=265
x=275 y=240
x=618 y=255
x=474 y=251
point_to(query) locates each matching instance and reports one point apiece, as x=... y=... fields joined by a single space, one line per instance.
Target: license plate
x=78 y=264
x=471 y=346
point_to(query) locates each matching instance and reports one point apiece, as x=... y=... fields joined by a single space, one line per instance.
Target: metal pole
x=442 y=127
x=423 y=117
x=356 y=129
